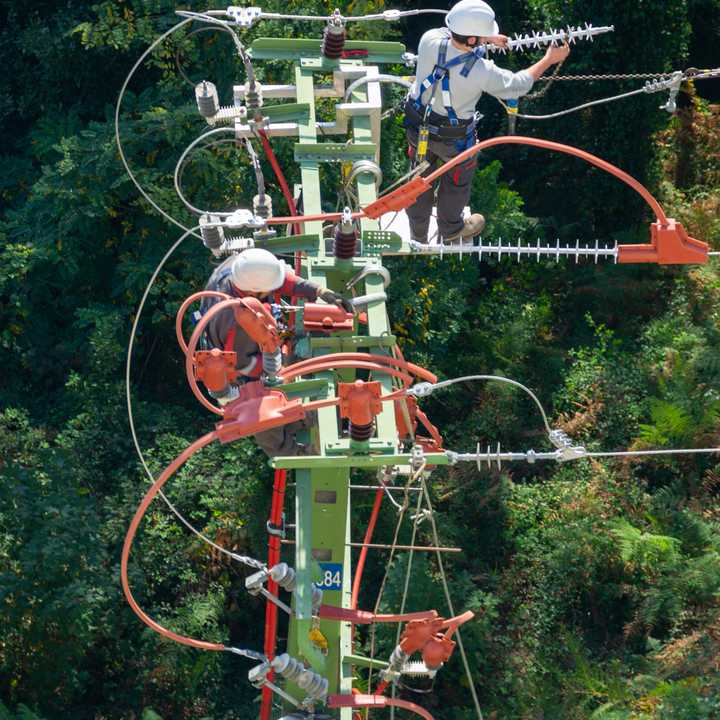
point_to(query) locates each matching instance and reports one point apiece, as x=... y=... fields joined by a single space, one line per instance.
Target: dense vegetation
x=596 y=584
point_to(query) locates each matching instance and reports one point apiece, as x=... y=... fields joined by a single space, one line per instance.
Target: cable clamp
x=244 y=16
x=409 y=59
x=257 y=675
x=417 y=457
x=251 y=654
x=568 y=453
x=419 y=518
x=391 y=15
x=675 y=83
x=254 y=583
x=420 y=390
x=242 y=218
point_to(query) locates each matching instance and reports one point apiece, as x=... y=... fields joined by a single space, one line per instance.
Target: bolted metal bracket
x=244 y=16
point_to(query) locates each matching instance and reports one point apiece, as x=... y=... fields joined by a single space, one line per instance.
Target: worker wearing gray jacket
x=257 y=273
x=452 y=74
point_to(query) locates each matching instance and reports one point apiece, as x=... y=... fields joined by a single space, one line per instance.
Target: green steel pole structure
x=322 y=494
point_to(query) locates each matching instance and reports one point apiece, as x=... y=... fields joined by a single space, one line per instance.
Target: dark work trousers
x=453 y=190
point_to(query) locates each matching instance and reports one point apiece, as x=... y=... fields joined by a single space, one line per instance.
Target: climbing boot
x=473 y=226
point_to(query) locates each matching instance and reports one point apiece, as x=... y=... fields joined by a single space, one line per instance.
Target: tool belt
x=438 y=125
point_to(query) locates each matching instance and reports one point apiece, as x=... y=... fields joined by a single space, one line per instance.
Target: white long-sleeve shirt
x=485 y=77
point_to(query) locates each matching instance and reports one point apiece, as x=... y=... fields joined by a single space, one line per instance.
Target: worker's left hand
x=332 y=298
x=500 y=41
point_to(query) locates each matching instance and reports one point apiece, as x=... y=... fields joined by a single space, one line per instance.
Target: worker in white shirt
x=452 y=74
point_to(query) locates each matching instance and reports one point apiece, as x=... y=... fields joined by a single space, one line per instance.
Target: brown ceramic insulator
x=333 y=42
x=360 y=433
x=345 y=244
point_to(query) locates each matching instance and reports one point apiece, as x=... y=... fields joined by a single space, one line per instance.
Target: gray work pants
x=282 y=441
x=453 y=191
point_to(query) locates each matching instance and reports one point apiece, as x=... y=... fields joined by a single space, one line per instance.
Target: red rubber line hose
x=272 y=159
x=183 y=309
x=276 y=513
x=166 y=474
x=510 y=140
x=364 y=551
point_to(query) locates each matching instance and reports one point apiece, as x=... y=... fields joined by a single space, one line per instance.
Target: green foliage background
x=596 y=585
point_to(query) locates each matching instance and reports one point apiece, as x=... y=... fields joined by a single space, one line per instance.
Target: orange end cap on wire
x=326 y=318
x=360 y=401
x=398 y=199
x=669 y=245
x=215 y=368
x=256 y=409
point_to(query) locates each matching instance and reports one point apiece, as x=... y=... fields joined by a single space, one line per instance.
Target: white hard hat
x=472 y=18
x=257 y=270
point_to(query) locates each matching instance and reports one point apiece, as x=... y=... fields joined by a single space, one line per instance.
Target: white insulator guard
x=206 y=95
x=286 y=578
x=213 y=236
x=291 y=669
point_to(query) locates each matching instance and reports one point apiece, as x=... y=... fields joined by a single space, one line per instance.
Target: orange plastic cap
x=360 y=401
x=256 y=409
x=215 y=368
x=255 y=319
x=326 y=318
x=669 y=245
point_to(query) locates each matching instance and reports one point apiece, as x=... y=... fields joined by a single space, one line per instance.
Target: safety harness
x=441 y=74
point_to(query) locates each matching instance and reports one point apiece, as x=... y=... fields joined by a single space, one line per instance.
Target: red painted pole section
x=280 y=175
x=276 y=513
x=364 y=551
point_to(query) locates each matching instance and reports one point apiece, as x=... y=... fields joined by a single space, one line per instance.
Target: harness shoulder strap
x=441 y=72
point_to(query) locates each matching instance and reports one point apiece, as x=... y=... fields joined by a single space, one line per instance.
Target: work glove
x=332 y=298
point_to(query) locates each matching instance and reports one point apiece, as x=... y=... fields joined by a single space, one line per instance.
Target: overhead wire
x=118 y=140
x=180 y=162
x=383 y=78
x=178 y=52
x=406 y=585
x=150 y=495
x=687 y=75
x=577 y=108
x=401 y=514
x=496 y=378
x=388 y=15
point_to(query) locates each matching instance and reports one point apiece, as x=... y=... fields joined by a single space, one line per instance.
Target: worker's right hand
x=332 y=298
x=557 y=53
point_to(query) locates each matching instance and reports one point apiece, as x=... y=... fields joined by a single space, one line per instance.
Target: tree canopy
x=596 y=586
